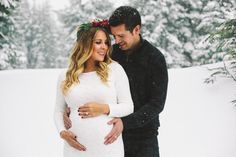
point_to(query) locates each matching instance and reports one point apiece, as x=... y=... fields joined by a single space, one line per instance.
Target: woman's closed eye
x=98 y=42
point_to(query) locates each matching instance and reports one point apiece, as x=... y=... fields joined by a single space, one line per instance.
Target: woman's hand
x=93 y=109
x=70 y=138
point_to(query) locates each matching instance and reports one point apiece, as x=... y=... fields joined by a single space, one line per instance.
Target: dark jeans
x=141 y=146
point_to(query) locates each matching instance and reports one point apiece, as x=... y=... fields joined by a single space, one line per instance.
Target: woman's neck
x=89 y=66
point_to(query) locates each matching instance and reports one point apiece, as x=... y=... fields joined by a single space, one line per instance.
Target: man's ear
x=137 y=29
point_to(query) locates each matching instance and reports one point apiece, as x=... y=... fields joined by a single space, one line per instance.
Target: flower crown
x=95 y=23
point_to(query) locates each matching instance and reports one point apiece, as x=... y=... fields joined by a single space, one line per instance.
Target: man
x=147 y=72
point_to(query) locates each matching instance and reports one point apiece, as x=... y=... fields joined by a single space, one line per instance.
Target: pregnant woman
x=93 y=80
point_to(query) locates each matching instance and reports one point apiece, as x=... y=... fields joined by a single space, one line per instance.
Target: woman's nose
x=104 y=46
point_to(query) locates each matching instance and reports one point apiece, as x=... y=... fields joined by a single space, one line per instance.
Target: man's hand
x=70 y=138
x=115 y=131
x=93 y=109
x=66 y=119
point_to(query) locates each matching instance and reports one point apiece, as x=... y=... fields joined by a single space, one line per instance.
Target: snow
x=54 y=4
x=174 y=39
x=148 y=18
x=7 y=3
x=198 y=120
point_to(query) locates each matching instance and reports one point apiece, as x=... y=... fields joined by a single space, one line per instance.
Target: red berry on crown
x=100 y=23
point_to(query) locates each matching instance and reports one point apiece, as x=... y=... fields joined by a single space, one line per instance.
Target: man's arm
x=158 y=90
x=66 y=118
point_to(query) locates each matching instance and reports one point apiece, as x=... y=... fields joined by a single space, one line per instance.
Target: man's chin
x=123 y=48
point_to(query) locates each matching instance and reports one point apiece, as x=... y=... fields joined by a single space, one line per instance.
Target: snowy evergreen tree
x=214 y=14
x=161 y=27
x=28 y=24
x=10 y=55
x=39 y=36
x=224 y=39
x=49 y=35
x=177 y=27
x=31 y=37
x=79 y=12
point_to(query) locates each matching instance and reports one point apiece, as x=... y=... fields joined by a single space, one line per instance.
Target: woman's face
x=100 y=46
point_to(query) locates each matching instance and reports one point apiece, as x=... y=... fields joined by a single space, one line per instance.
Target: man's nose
x=117 y=40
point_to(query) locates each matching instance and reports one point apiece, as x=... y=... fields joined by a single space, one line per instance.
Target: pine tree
x=10 y=55
x=224 y=39
x=40 y=41
x=28 y=17
x=79 y=12
x=214 y=14
x=49 y=48
x=177 y=27
x=162 y=26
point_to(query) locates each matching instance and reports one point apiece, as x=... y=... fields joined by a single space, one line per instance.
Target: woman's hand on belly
x=70 y=138
x=93 y=109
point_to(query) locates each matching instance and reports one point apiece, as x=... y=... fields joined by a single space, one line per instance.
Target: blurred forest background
x=188 y=32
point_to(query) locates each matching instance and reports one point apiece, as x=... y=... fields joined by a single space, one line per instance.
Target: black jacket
x=148 y=78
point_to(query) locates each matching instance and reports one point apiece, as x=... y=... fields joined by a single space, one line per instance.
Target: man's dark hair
x=125 y=15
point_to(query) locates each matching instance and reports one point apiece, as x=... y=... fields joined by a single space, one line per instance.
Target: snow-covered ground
x=198 y=120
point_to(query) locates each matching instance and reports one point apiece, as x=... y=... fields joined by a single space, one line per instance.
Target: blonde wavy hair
x=81 y=52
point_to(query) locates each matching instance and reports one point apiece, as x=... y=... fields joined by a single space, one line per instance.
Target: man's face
x=124 y=38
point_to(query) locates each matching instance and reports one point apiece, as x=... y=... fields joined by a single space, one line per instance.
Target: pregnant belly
x=90 y=130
